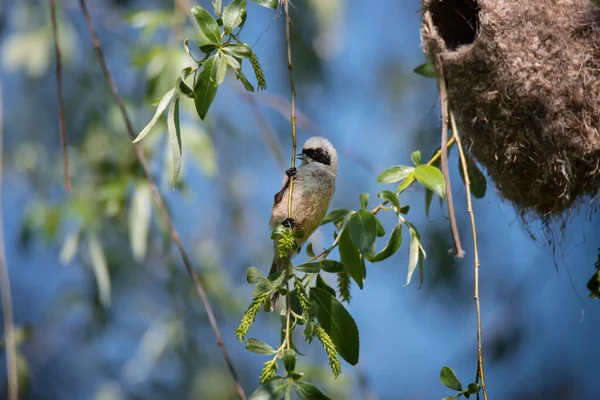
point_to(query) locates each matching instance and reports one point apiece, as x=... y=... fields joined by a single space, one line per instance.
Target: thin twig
x=288 y=22
x=61 y=104
x=9 y=326
x=463 y=163
x=160 y=202
x=444 y=161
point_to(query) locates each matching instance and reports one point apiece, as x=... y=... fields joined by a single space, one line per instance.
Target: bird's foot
x=289 y=223
x=291 y=172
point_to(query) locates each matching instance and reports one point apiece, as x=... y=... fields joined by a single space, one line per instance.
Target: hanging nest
x=523 y=80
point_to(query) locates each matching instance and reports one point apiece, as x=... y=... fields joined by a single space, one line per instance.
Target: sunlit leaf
x=238 y=50
x=431 y=178
x=100 y=267
x=364 y=200
x=350 y=257
x=335 y=215
x=406 y=183
x=218 y=6
x=308 y=391
x=267 y=3
x=221 y=69
x=175 y=137
x=332 y=266
x=449 y=378
x=207 y=24
x=232 y=15
x=258 y=346
x=311 y=268
x=362 y=228
x=183 y=88
x=231 y=61
x=413 y=255
x=391 y=197
x=426 y=70
x=206 y=87
x=273 y=389
x=241 y=77
x=416 y=157
x=395 y=174
x=162 y=106
x=69 y=248
x=392 y=246
x=139 y=220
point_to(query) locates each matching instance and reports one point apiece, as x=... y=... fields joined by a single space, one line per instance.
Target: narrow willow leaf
x=413 y=255
x=449 y=378
x=175 y=137
x=162 y=106
x=258 y=346
x=69 y=248
x=431 y=178
x=335 y=215
x=312 y=268
x=308 y=391
x=362 y=227
x=390 y=196
x=364 y=200
x=309 y=250
x=406 y=183
x=395 y=174
x=321 y=284
x=380 y=229
x=187 y=70
x=241 y=77
x=100 y=267
x=183 y=88
x=207 y=24
x=206 y=87
x=231 y=61
x=332 y=266
x=392 y=246
x=426 y=70
x=338 y=323
x=208 y=48
x=451 y=397
x=273 y=389
x=238 y=50
x=428 y=198
x=218 y=6
x=140 y=214
x=232 y=15
x=254 y=275
x=267 y=3
x=476 y=177
x=221 y=70
x=416 y=157
x=350 y=257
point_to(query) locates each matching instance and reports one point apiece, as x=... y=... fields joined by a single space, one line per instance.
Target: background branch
x=160 y=202
x=61 y=106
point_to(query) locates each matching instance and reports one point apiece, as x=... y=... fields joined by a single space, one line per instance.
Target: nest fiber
x=523 y=80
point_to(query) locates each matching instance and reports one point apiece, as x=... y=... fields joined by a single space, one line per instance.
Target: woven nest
x=523 y=80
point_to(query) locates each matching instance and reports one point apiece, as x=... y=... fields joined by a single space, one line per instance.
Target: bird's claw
x=289 y=223
x=291 y=172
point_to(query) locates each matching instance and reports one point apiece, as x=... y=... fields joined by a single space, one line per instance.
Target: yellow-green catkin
x=302 y=297
x=250 y=316
x=286 y=244
x=343 y=280
x=258 y=72
x=269 y=371
x=330 y=349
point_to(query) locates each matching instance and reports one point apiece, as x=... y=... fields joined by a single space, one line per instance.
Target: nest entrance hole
x=457 y=21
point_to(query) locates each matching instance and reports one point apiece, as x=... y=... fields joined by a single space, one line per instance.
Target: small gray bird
x=314 y=185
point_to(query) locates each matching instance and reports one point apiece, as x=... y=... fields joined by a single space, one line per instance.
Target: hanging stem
x=463 y=163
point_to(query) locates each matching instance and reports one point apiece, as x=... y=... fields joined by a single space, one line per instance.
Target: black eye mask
x=318 y=155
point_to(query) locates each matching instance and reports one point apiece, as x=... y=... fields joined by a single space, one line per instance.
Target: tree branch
x=160 y=202
x=61 y=105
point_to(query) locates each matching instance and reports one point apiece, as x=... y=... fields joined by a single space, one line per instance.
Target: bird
x=313 y=189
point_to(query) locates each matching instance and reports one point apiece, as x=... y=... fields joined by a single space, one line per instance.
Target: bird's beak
x=301 y=156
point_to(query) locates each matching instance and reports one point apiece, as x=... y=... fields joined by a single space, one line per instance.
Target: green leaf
x=350 y=257
x=69 y=248
x=416 y=157
x=175 y=137
x=395 y=174
x=267 y=3
x=451 y=397
x=338 y=323
x=449 y=378
x=390 y=196
x=309 y=250
x=254 y=275
x=221 y=69
x=186 y=71
x=183 y=89
x=364 y=200
x=308 y=391
x=413 y=255
x=289 y=360
x=476 y=177
x=273 y=389
x=206 y=87
x=258 y=346
x=473 y=388
x=332 y=266
x=100 y=267
x=380 y=229
x=247 y=85
x=321 y=284
x=362 y=227
x=431 y=178
x=162 y=106
x=312 y=268
x=207 y=48
x=426 y=70
x=232 y=15
x=231 y=61
x=238 y=50
x=207 y=24
x=335 y=215
x=428 y=198
x=406 y=183
x=218 y=6
x=392 y=246
x=139 y=220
